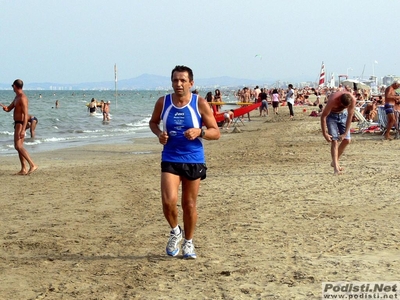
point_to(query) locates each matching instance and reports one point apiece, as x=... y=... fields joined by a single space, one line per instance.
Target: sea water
x=71 y=124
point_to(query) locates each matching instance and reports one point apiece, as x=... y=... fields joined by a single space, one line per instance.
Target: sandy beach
x=274 y=222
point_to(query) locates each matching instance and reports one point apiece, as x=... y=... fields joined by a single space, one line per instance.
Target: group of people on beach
x=275 y=97
x=342 y=100
x=264 y=96
x=187 y=120
x=24 y=121
x=338 y=114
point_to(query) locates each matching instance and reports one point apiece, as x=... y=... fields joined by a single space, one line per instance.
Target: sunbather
x=370 y=111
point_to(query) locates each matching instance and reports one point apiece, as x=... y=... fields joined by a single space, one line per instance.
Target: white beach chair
x=363 y=124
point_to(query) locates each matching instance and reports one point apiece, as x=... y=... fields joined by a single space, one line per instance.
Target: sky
x=71 y=41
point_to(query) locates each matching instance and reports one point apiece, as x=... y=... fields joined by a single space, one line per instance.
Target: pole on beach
x=373 y=68
x=115 y=74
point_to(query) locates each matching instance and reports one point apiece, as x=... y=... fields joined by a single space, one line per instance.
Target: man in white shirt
x=290 y=100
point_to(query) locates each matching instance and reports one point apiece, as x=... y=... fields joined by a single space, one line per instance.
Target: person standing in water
x=92 y=107
x=106 y=111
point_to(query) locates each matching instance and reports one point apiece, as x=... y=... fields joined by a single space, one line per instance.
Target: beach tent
x=355 y=84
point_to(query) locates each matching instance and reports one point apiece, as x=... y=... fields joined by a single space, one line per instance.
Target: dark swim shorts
x=18 y=122
x=389 y=108
x=189 y=171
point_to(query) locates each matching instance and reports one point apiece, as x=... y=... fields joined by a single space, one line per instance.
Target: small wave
x=140 y=123
x=54 y=139
x=33 y=142
x=6 y=132
x=93 y=131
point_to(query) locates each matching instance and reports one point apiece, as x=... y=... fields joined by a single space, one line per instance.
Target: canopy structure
x=355 y=84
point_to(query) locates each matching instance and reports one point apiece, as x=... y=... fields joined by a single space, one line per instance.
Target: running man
x=182 y=160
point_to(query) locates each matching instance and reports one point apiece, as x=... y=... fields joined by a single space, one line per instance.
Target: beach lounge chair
x=238 y=112
x=363 y=124
x=382 y=120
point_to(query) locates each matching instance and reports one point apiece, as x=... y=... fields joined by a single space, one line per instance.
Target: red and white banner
x=322 y=75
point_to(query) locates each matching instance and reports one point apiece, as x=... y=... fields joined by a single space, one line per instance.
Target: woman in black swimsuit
x=92 y=106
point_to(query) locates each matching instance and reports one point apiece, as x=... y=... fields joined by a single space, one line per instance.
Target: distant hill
x=142 y=82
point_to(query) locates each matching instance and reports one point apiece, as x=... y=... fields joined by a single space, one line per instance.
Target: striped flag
x=322 y=75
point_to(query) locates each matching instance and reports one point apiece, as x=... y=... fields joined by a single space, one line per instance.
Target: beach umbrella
x=355 y=84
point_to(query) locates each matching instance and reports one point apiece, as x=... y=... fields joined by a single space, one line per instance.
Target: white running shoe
x=173 y=243
x=188 y=251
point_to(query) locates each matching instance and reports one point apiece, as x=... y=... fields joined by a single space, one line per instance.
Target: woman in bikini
x=218 y=98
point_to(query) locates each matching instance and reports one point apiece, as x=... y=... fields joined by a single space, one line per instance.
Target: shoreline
x=274 y=222
x=37 y=149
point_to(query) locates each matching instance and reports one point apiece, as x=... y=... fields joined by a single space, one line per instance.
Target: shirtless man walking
x=335 y=124
x=106 y=111
x=391 y=99
x=20 y=106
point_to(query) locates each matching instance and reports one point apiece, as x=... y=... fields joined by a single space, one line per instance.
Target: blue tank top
x=176 y=120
